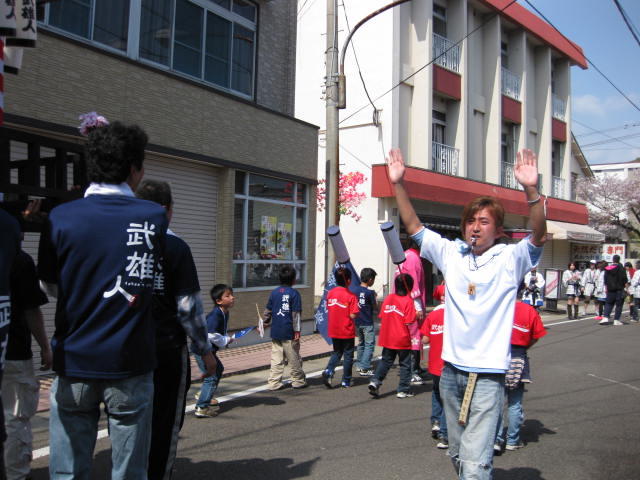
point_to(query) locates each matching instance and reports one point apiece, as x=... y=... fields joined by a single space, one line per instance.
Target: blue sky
x=598 y=27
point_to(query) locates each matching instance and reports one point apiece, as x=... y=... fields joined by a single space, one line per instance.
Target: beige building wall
x=185 y=119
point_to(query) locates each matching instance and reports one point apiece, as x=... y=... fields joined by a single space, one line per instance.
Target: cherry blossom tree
x=613 y=203
x=349 y=199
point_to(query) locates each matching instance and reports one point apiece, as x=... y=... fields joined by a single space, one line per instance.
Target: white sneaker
x=617 y=322
x=604 y=321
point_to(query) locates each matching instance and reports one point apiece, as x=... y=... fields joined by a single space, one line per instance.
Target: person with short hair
x=397 y=312
x=178 y=313
x=283 y=313
x=482 y=278
x=9 y=250
x=98 y=255
x=342 y=308
x=630 y=272
x=527 y=330
x=20 y=387
x=365 y=328
x=217 y=325
x=615 y=279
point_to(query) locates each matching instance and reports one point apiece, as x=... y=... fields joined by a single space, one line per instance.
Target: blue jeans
x=366 y=344
x=616 y=298
x=346 y=347
x=471 y=446
x=437 y=410
x=73 y=425
x=516 y=416
x=209 y=384
x=385 y=363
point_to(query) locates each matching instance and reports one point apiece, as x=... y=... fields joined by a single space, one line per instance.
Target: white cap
x=592 y=261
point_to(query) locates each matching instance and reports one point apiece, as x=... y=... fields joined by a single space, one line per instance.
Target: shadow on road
x=533 y=429
x=245 y=469
x=518 y=473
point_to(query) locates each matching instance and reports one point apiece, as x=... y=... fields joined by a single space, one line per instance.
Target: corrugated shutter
x=195 y=193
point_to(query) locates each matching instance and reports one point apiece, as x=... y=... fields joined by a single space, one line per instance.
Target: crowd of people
x=120 y=276
x=607 y=285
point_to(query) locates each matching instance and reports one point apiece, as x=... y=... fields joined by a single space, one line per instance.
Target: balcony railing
x=511 y=84
x=446 y=53
x=557 y=188
x=444 y=159
x=559 y=108
x=507 y=178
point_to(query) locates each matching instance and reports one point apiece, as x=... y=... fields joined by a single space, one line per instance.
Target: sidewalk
x=236 y=361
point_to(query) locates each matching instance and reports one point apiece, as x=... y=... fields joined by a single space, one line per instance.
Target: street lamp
x=335 y=98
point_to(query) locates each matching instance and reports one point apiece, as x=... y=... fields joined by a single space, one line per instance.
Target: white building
x=460 y=86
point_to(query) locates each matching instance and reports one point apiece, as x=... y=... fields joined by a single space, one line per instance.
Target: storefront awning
x=574 y=231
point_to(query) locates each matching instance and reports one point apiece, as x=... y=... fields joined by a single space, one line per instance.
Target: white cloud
x=602 y=106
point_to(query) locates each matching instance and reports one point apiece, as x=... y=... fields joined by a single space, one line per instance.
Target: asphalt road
x=582 y=422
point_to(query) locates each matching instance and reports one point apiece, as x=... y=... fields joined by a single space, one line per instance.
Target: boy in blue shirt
x=217 y=324
x=365 y=329
x=283 y=311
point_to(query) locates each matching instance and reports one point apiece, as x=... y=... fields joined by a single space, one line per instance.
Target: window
x=211 y=40
x=270 y=218
x=440 y=21
x=104 y=21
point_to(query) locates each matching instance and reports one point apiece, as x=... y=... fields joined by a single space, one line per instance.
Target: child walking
x=342 y=306
x=365 y=328
x=396 y=314
x=217 y=322
x=283 y=312
x=432 y=331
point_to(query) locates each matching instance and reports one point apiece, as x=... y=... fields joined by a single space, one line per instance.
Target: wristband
x=533 y=202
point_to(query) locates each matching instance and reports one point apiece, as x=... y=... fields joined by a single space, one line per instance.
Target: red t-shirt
x=340 y=304
x=438 y=293
x=395 y=314
x=433 y=327
x=527 y=325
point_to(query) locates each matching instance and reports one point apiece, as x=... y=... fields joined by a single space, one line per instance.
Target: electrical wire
x=453 y=45
x=602 y=132
x=541 y=15
x=632 y=28
x=364 y=85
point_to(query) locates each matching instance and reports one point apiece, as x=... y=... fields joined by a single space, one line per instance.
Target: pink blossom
x=90 y=121
x=348 y=198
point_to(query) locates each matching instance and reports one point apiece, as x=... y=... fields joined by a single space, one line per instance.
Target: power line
x=602 y=132
x=602 y=142
x=344 y=10
x=587 y=58
x=434 y=59
x=632 y=28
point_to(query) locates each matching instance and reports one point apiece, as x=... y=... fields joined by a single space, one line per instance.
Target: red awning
x=436 y=187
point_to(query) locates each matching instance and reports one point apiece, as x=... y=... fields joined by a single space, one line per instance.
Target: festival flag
x=242 y=333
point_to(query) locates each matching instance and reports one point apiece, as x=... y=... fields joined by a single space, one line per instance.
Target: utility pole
x=332 y=133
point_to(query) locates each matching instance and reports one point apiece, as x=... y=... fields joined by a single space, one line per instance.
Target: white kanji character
x=158 y=280
x=118 y=289
x=140 y=266
x=137 y=230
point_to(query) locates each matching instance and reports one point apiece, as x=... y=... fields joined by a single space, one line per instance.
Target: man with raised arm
x=481 y=278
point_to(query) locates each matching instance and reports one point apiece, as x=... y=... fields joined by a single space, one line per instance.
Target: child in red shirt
x=342 y=307
x=432 y=331
x=396 y=314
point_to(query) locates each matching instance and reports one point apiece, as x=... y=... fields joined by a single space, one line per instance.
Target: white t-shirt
x=477 y=327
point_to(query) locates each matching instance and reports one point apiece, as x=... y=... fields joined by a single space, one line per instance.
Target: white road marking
x=632 y=387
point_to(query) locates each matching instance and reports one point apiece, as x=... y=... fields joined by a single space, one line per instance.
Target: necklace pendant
x=471 y=290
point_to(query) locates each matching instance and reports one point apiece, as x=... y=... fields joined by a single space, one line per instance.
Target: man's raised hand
x=395 y=166
x=526 y=169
